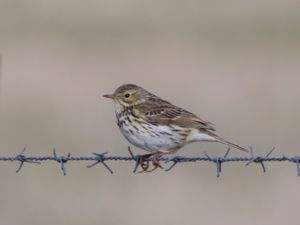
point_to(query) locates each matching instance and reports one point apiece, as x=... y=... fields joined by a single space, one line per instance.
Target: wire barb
x=218 y=161
x=227 y=152
x=23 y=159
x=61 y=160
x=100 y=158
x=174 y=159
x=135 y=158
x=259 y=159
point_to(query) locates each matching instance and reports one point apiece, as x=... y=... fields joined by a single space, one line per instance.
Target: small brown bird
x=158 y=126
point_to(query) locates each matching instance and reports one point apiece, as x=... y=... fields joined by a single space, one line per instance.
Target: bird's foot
x=144 y=162
x=155 y=162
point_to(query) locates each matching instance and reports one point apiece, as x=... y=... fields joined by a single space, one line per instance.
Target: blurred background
x=234 y=63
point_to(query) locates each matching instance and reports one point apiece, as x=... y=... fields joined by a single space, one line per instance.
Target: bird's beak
x=110 y=96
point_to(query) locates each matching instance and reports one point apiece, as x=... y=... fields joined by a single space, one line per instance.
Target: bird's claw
x=144 y=162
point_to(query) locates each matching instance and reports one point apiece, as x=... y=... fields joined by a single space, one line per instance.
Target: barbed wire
x=101 y=158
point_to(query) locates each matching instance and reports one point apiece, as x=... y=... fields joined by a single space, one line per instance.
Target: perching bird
x=158 y=126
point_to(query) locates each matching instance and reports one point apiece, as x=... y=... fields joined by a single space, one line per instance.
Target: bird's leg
x=143 y=162
x=155 y=158
x=155 y=161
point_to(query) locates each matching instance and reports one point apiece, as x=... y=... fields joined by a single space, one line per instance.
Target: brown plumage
x=158 y=126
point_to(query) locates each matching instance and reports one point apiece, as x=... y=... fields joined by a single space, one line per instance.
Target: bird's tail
x=223 y=141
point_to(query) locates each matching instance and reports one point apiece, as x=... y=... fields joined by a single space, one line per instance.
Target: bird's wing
x=164 y=113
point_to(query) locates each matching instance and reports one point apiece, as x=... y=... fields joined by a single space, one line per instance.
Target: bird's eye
x=127 y=95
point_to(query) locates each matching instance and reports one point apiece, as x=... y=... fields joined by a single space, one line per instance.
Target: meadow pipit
x=158 y=126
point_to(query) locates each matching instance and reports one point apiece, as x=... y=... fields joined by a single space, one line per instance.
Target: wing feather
x=158 y=111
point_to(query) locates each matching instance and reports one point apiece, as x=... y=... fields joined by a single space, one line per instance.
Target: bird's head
x=129 y=95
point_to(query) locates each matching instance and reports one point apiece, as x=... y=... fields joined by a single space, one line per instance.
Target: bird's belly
x=152 y=138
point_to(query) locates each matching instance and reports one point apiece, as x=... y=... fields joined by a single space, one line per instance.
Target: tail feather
x=223 y=141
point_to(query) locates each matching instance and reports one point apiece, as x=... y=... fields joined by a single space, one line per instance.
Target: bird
x=157 y=126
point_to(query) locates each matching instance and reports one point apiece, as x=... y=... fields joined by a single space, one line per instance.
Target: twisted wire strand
x=102 y=158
